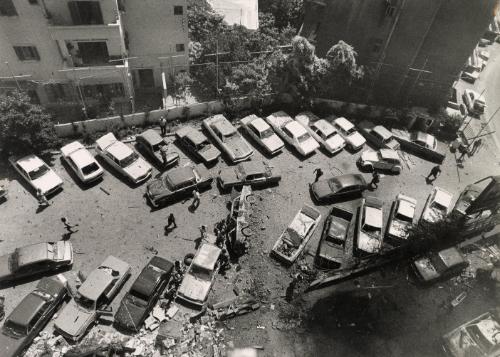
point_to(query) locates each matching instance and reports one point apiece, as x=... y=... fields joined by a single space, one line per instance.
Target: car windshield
x=402 y=217
x=334 y=185
x=303 y=137
x=229 y=135
x=350 y=131
x=87 y=170
x=479 y=338
x=139 y=295
x=15 y=328
x=202 y=145
x=370 y=229
x=85 y=303
x=129 y=160
x=435 y=205
x=158 y=145
x=38 y=172
x=266 y=133
x=200 y=273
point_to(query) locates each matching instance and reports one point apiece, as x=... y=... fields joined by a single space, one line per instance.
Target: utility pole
x=216 y=54
x=467 y=110
x=482 y=129
x=417 y=78
x=13 y=76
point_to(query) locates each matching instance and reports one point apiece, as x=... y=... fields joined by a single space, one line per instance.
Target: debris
x=172 y=311
x=2 y=307
x=261 y=327
x=460 y=297
x=149 y=322
x=104 y=190
x=159 y=314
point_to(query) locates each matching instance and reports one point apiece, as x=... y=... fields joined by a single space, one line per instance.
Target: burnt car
x=468 y=195
x=251 y=173
x=338 y=187
x=197 y=144
x=439 y=265
x=479 y=337
x=92 y=297
x=337 y=232
x=152 y=144
x=143 y=295
x=35 y=259
x=369 y=233
x=378 y=135
x=421 y=144
x=177 y=183
x=31 y=315
x=401 y=219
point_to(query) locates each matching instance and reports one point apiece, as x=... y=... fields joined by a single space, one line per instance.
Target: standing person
x=291 y=288
x=163 y=153
x=435 y=172
x=476 y=146
x=318 y=172
x=42 y=200
x=163 y=125
x=196 y=200
x=375 y=179
x=69 y=228
x=171 y=221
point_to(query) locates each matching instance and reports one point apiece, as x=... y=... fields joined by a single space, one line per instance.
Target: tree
x=285 y=12
x=182 y=83
x=25 y=127
x=203 y=21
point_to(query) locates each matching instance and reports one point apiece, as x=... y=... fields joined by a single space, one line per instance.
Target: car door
x=254 y=133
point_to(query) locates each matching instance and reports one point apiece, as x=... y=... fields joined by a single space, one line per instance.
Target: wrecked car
x=401 y=218
x=151 y=143
x=95 y=294
x=143 y=295
x=31 y=315
x=369 y=233
x=251 y=173
x=322 y=131
x=338 y=187
x=421 y=144
x=37 y=173
x=35 y=259
x=437 y=206
x=197 y=144
x=81 y=162
x=440 y=265
x=263 y=134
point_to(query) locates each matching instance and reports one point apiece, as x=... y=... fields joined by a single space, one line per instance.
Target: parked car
x=437 y=206
x=228 y=138
x=293 y=133
x=199 y=277
x=37 y=173
x=474 y=102
x=422 y=144
x=3 y=193
x=378 y=135
x=295 y=237
x=401 y=218
x=354 y=140
x=453 y=100
x=96 y=292
x=439 y=265
x=470 y=76
x=263 y=134
x=151 y=143
x=338 y=229
x=82 y=162
x=383 y=159
x=478 y=337
x=143 y=295
x=197 y=144
x=123 y=159
x=322 y=131
x=35 y=259
x=252 y=173
x=468 y=195
x=177 y=183
x=338 y=187
x=369 y=233
x=31 y=315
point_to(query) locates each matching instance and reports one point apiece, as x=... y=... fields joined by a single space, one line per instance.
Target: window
x=7 y=8
x=178 y=10
x=27 y=53
x=93 y=53
x=85 y=12
x=179 y=47
x=146 y=78
x=33 y=2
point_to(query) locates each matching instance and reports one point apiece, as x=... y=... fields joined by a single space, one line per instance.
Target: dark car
x=143 y=295
x=35 y=259
x=468 y=195
x=248 y=173
x=31 y=315
x=440 y=265
x=337 y=232
x=421 y=144
x=152 y=144
x=196 y=143
x=338 y=187
x=378 y=135
x=177 y=183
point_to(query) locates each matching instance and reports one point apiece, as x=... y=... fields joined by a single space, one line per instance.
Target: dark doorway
x=146 y=78
x=93 y=53
x=85 y=12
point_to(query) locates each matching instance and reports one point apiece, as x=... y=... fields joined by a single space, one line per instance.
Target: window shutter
x=75 y=13
x=19 y=53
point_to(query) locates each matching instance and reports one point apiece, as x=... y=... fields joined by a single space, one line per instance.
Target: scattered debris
x=461 y=297
x=104 y=190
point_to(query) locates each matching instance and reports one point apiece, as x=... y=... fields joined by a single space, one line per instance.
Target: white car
x=123 y=158
x=438 y=205
x=322 y=131
x=38 y=174
x=369 y=237
x=474 y=102
x=348 y=131
x=383 y=159
x=262 y=133
x=293 y=133
x=81 y=161
x=401 y=218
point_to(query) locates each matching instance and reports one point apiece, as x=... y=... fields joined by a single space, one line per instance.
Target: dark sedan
x=197 y=144
x=378 y=135
x=143 y=295
x=421 y=144
x=151 y=143
x=31 y=315
x=178 y=183
x=248 y=173
x=338 y=187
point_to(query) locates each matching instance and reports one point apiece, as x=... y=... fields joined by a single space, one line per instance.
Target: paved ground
x=399 y=319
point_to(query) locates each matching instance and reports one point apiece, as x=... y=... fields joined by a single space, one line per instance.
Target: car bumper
x=142 y=178
x=53 y=190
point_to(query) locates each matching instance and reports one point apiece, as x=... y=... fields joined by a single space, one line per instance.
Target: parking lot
x=114 y=218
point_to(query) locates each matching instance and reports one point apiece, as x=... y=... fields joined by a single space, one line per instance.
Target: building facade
x=86 y=54
x=415 y=48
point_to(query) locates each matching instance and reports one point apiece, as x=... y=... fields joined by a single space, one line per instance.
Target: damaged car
x=369 y=237
x=383 y=159
x=81 y=162
x=322 y=131
x=437 y=206
x=197 y=144
x=401 y=219
x=440 y=265
x=253 y=173
x=152 y=144
x=378 y=135
x=338 y=187
x=263 y=134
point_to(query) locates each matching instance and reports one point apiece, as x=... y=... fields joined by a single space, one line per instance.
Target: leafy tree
x=203 y=21
x=285 y=12
x=25 y=127
x=182 y=83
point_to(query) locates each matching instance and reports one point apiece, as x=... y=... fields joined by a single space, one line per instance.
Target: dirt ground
x=384 y=313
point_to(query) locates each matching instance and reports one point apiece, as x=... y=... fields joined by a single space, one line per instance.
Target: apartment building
x=415 y=48
x=85 y=54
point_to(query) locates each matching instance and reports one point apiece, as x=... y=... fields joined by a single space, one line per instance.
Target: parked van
x=474 y=102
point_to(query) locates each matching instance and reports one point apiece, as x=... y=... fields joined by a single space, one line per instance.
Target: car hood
x=399 y=229
x=393 y=144
x=308 y=146
x=73 y=320
x=331 y=251
x=209 y=153
x=335 y=142
x=228 y=175
x=273 y=143
x=356 y=139
x=137 y=169
x=194 y=288
x=321 y=189
x=4 y=267
x=368 y=243
x=238 y=147
x=157 y=188
x=129 y=314
x=47 y=182
x=370 y=156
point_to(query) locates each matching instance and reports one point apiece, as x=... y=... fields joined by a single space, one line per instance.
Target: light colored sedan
x=438 y=205
x=262 y=133
x=369 y=238
x=401 y=218
x=322 y=131
x=383 y=159
x=81 y=161
x=348 y=131
x=293 y=133
x=123 y=158
x=37 y=173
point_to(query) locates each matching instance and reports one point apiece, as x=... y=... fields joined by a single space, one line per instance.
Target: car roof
x=206 y=257
x=27 y=309
x=350 y=180
x=259 y=124
x=295 y=128
x=151 y=136
x=344 y=123
x=119 y=150
x=253 y=167
x=82 y=157
x=443 y=197
x=30 y=163
x=222 y=125
x=325 y=127
x=389 y=154
x=71 y=148
x=451 y=256
x=106 y=140
x=489 y=328
x=146 y=281
x=180 y=175
x=32 y=253
x=195 y=136
x=406 y=208
x=373 y=216
x=95 y=284
x=383 y=132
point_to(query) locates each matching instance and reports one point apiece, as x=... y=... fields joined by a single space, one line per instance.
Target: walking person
x=318 y=172
x=42 y=200
x=196 y=200
x=375 y=179
x=290 y=289
x=69 y=227
x=476 y=146
x=435 y=172
x=163 y=125
x=171 y=222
